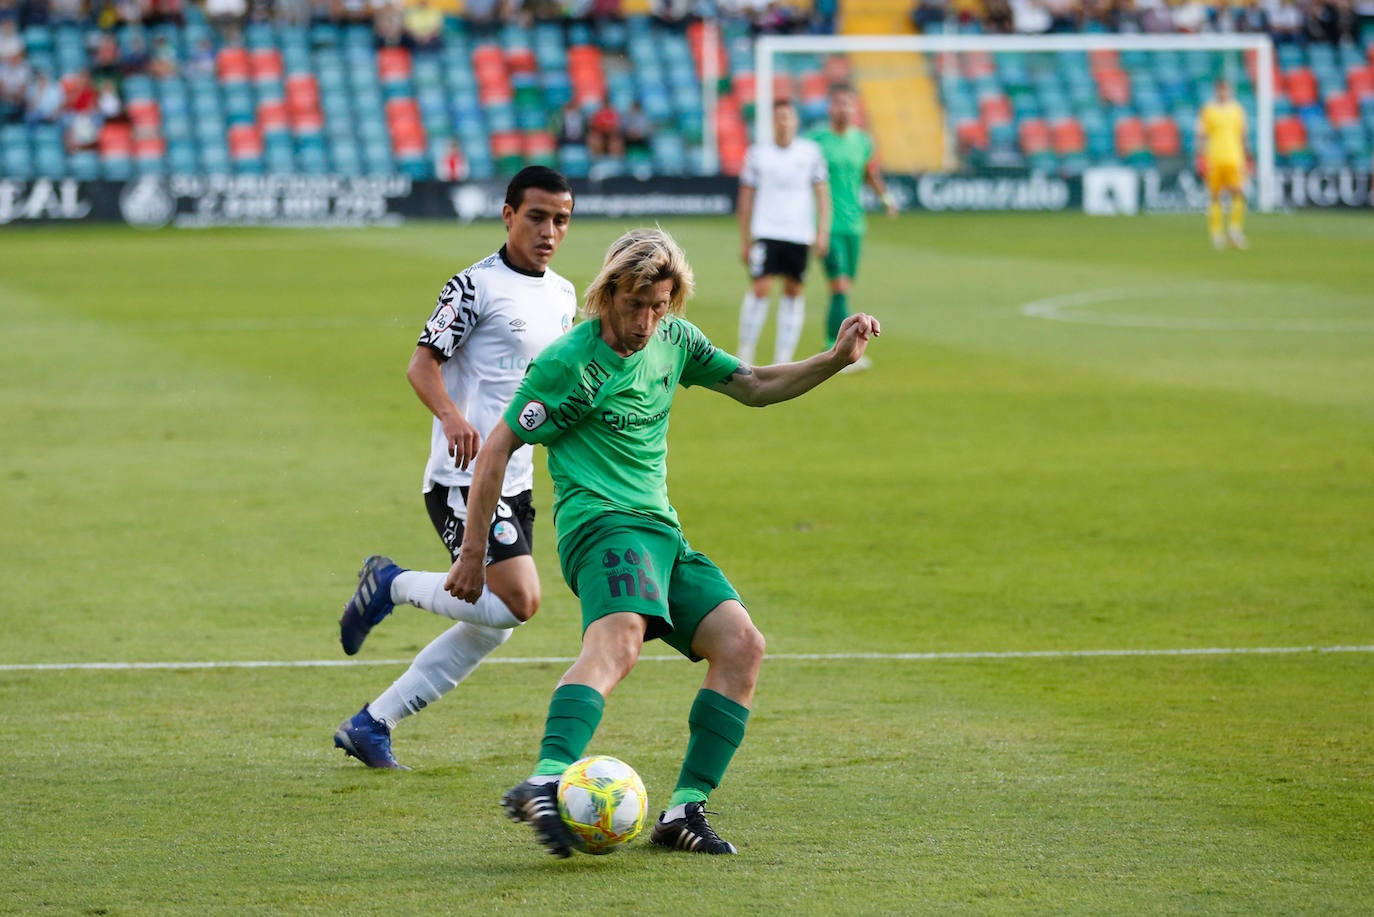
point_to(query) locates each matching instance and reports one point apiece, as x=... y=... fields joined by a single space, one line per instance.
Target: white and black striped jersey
x=490 y=322
x=784 y=180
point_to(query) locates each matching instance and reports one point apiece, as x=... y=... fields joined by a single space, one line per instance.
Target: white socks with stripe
x=437 y=670
x=426 y=590
x=753 y=312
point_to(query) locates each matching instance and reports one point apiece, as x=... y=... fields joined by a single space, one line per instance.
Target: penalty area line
x=771 y=657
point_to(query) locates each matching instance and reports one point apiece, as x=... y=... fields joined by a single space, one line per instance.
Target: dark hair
x=541 y=177
x=837 y=88
x=783 y=102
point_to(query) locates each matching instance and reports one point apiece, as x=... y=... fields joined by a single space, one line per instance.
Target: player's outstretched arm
x=759 y=386
x=468 y=573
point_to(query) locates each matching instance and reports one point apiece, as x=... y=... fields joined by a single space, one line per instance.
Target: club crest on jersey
x=533 y=415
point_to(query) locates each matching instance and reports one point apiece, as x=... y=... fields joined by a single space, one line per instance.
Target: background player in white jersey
x=490 y=321
x=783 y=212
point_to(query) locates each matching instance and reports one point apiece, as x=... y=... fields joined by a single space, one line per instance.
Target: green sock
x=839 y=310
x=716 y=731
x=574 y=714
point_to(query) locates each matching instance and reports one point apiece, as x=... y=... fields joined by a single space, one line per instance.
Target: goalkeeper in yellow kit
x=1223 y=140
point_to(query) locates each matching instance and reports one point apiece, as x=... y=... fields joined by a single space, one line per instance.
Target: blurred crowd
x=1333 y=21
x=118 y=46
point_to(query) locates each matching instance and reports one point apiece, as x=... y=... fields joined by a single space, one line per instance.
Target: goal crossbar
x=768 y=47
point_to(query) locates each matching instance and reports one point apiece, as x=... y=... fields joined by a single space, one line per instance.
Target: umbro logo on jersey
x=518 y=325
x=533 y=415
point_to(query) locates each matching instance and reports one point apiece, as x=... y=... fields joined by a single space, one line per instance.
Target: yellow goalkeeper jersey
x=1223 y=125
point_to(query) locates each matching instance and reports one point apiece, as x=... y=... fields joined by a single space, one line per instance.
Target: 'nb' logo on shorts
x=623 y=582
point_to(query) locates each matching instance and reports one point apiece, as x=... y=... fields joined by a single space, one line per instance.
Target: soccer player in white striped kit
x=491 y=320
x=784 y=213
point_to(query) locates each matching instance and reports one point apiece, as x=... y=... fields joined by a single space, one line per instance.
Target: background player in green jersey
x=850 y=161
x=598 y=399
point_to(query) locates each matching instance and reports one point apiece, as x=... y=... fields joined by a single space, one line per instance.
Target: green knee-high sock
x=839 y=310
x=574 y=714
x=717 y=729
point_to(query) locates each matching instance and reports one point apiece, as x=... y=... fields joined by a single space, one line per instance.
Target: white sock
x=791 y=317
x=426 y=590
x=753 y=312
x=437 y=670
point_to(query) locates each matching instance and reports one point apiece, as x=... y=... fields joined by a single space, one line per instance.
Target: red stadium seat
x=813 y=86
x=1129 y=135
x=1290 y=135
x=272 y=115
x=1104 y=59
x=1113 y=86
x=153 y=147
x=1163 y=138
x=995 y=109
x=1034 y=135
x=1342 y=109
x=245 y=141
x=971 y=135
x=1361 y=81
x=266 y=64
x=144 y=113
x=522 y=60
x=505 y=143
x=1068 y=136
x=232 y=65
x=539 y=143
x=1301 y=86
x=116 y=141
x=393 y=65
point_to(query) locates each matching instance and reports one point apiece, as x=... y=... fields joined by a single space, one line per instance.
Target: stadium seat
x=1162 y=137
x=1067 y=137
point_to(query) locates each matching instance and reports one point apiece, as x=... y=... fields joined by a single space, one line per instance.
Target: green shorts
x=629 y=563
x=843 y=258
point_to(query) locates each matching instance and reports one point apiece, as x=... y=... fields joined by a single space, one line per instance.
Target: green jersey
x=604 y=418
x=846 y=156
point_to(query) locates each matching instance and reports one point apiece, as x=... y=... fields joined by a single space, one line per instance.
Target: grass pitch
x=1080 y=435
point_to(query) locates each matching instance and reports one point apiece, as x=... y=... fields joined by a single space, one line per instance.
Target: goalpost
x=769 y=47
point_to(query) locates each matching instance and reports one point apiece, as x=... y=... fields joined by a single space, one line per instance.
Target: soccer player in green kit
x=598 y=399
x=849 y=158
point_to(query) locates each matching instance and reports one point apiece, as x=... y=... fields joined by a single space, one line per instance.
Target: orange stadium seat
x=266 y=64
x=1129 y=135
x=1301 y=86
x=995 y=109
x=1162 y=137
x=393 y=64
x=1033 y=135
x=245 y=141
x=232 y=64
x=1068 y=136
x=272 y=115
x=1290 y=135
x=1114 y=86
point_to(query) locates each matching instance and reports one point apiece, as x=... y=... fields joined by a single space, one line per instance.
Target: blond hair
x=638 y=259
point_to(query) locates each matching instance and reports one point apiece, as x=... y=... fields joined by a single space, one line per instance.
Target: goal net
x=1072 y=107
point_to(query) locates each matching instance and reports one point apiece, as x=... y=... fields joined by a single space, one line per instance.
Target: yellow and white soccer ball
x=603 y=803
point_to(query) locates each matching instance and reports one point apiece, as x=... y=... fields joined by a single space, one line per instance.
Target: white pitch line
x=772 y=657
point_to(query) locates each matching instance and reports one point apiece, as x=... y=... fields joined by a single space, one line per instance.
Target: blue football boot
x=368 y=739
x=370 y=602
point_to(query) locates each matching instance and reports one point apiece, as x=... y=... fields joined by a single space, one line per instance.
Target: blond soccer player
x=1225 y=146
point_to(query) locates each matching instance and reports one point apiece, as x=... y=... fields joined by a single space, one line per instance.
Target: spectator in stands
x=11 y=42
x=162 y=63
x=1156 y=16
x=227 y=17
x=1063 y=15
x=424 y=26
x=44 y=100
x=929 y=15
x=571 y=128
x=201 y=61
x=109 y=106
x=603 y=133
x=82 y=115
x=388 y=26
x=134 y=57
x=1332 y=21
x=15 y=74
x=997 y=17
x=157 y=12
x=450 y=165
x=482 y=13
x=672 y=13
x=637 y=128
x=1285 y=21
x=67 y=12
